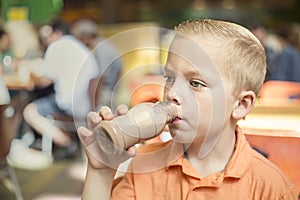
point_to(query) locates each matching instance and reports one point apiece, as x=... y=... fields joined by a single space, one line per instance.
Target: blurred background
x=163 y=12
x=23 y=20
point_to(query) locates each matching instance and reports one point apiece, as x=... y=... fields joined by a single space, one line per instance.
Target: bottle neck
x=170 y=110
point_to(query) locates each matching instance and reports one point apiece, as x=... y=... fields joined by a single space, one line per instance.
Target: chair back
x=280 y=90
x=10 y=120
x=146 y=89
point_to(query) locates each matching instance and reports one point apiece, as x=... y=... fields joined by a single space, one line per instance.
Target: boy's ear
x=244 y=105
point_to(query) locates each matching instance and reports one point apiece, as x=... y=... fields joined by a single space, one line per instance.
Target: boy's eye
x=169 y=79
x=197 y=83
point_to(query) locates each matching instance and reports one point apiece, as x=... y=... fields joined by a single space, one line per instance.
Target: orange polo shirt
x=248 y=176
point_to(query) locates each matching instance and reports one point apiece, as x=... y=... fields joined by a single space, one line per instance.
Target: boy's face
x=200 y=92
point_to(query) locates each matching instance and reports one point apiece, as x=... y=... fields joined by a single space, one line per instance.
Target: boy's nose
x=172 y=95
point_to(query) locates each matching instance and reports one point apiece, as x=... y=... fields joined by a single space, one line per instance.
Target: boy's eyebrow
x=190 y=73
x=194 y=74
x=167 y=69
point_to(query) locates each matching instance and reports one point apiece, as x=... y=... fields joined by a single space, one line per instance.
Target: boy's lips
x=177 y=119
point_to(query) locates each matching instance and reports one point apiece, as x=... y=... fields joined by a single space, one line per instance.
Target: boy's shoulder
x=264 y=169
x=254 y=170
x=264 y=177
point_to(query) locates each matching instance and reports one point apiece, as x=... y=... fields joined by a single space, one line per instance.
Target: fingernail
x=123 y=109
x=96 y=118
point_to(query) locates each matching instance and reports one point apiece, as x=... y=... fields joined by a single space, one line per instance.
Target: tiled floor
x=63 y=180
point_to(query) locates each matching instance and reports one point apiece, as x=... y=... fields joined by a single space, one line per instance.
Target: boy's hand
x=89 y=141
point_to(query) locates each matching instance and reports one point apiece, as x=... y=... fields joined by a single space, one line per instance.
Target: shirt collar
x=241 y=159
x=236 y=167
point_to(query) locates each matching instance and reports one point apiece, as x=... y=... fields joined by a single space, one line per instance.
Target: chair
x=146 y=89
x=280 y=90
x=65 y=123
x=10 y=119
x=68 y=123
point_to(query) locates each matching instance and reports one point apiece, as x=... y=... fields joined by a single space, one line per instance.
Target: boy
x=214 y=73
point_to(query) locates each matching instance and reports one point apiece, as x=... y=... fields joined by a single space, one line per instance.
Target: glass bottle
x=142 y=122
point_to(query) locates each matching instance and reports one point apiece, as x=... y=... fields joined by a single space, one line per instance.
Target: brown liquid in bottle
x=142 y=122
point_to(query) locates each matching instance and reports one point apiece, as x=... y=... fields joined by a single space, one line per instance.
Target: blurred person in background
x=261 y=32
x=107 y=56
x=7 y=56
x=43 y=33
x=64 y=60
x=295 y=35
x=10 y=64
x=287 y=62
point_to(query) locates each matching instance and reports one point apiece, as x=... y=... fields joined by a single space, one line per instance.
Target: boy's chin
x=182 y=139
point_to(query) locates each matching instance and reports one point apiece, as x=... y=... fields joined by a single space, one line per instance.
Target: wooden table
x=18 y=80
x=273 y=118
x=274 y=127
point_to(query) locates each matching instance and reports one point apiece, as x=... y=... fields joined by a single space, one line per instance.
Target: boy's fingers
x=121 y=110
x=86 y=136
x=106 y=113
x=84 y=132
x=93 y=119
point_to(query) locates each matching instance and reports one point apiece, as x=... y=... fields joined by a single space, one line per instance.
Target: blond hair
x=244 y=56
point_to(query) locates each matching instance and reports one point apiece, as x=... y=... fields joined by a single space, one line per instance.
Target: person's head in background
x=260 y=31
x=43 y=34
x=59 y=28
x=295 y=35
x=289 y=33
x=5 y=43
x=86 y=30
x=283 y=33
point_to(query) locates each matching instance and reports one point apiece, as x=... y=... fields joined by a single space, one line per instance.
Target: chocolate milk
x=142 y=122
